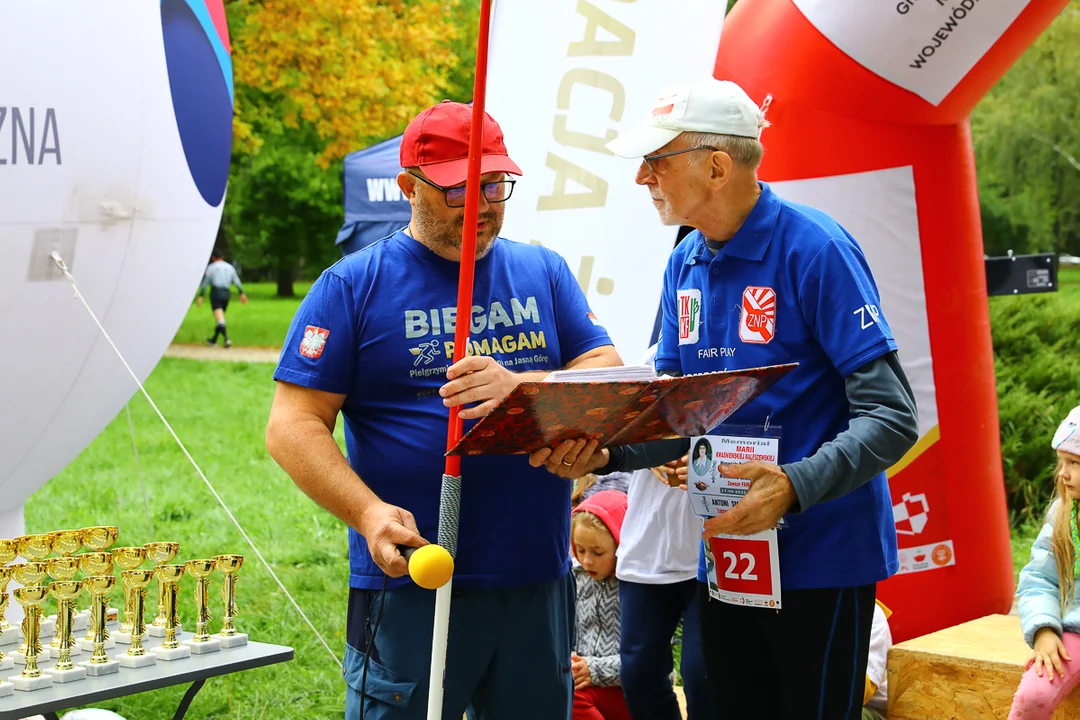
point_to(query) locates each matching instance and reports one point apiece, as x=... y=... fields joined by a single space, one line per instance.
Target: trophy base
x=48 y=628
x=202 y=648
x=6 y=689
x=88 y=645
x=159 y=630
x=80 y=622
x=171 y=653
x=66 y=676
x=11 y=636
x=7 y=663
x=30 y=684
x=124 y=638
x=20 y=659
x=231 y=641
x=97 y=670
x=136 y=661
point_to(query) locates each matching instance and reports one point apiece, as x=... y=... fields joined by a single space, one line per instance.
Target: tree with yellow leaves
x=315 y=80
x=356 y=71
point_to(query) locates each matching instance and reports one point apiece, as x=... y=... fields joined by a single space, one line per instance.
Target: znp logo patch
x=758 y=323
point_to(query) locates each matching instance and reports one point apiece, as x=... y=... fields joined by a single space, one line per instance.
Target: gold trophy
x=135 y=582
x=170 y=649
x=95 y=564
x=99 y=587
x=99 y=539
x=127 y=558
x=202 y=643
x=229 y=565
x=29 y=574
x=6 y=663
x=63 y=568
x=31 y=678
x=159 y=553
x=36 y=548
x=8 y=552
x=66 y=542
x=65 y=592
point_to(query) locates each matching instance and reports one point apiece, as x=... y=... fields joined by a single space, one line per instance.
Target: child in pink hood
x=595 y=529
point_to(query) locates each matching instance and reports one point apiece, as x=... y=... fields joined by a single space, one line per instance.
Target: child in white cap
x=1049 y=609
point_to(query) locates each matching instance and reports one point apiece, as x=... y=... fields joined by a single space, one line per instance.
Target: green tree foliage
x=1027 y=147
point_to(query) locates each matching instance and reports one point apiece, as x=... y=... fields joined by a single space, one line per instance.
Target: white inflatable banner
x=565 y=77
x=114 y=151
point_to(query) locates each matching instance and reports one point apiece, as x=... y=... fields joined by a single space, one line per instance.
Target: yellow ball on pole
x=431 y=566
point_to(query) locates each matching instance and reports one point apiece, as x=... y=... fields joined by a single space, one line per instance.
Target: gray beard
x=439 y=236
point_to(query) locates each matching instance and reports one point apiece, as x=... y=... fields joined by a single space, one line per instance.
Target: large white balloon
x=115 y=131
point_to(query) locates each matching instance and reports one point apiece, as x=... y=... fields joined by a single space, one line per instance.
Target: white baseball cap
x=1067 y=437
x=708 y=106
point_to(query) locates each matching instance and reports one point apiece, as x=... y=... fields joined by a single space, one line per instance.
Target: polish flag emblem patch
x=758 y=323
x=314 y=341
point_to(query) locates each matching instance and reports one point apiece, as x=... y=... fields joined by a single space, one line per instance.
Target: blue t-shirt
x=790 y=286
x=378 y=327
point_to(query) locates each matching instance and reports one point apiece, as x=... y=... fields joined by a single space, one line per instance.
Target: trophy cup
x=229 y=565
x=30 y=575
x=95 y=564
x=159 y=553
x=31 y=677
x=6 y=663
x=202 y=643
x=8 y=552
x=135 y=582
x=36 y=548
x=99 y=539
x=65 y=592
x=170 y=649
x=127 y=558
x=62 y=569
x=65 y=544
x=99 y=662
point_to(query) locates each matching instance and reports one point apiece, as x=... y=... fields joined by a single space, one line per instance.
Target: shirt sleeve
x=236 y=280
x=667 y=345
x=883 y=427
x=579 y=329
x=320 y=349
x=1037 y=591
x=205 y=282
x=603 y=669
x=840 y=303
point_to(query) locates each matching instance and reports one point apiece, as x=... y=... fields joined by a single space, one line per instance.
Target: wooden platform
x=962 y=672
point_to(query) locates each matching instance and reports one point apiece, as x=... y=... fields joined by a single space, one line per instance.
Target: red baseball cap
x=437 y=142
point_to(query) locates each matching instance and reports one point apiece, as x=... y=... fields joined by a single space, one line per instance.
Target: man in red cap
x=373 y=340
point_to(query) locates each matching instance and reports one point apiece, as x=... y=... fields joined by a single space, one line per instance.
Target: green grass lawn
x=219 y=410
x=263 y=322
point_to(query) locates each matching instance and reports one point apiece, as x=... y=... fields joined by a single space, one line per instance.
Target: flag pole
x=450 y=498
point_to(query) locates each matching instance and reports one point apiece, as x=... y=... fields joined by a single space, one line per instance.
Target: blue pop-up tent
x=374 y=205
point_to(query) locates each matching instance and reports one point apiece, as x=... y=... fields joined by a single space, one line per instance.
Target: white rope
x=64 y=269
x=138 y=468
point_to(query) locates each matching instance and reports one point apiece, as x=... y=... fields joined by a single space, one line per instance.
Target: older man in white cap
x=763 y=281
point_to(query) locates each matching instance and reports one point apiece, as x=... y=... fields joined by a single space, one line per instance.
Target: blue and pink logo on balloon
x=201 y=80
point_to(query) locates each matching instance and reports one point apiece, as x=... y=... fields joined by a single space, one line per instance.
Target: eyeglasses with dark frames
x=494 y=192
x=649 y=159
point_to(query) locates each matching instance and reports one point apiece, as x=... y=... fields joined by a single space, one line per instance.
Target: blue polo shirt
x=791 y=286
x=378 y=327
